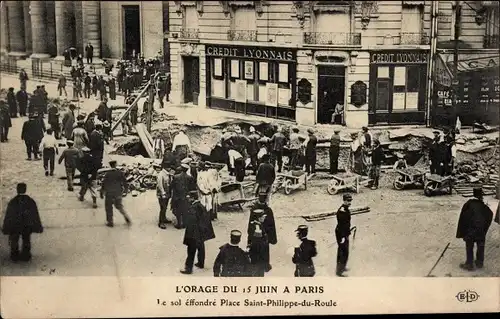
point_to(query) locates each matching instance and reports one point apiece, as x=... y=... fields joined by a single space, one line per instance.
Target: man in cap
x=450 y=149
x=265 y=178
x=278 y=142
x=310 y=151
x=53 y=119
x=158 y=145
x=79 y=135
x=96 y=144
x=32 y=134
x=236 y=164
x=253 y=148
x=88 y=174
x=22 y=100
x=5 y=122
x=87 y=85
x=114 y=184
x=48 y=148
x=181 y=145
x=334 y=152
x=295 y=146
x=198 y=230
x=70 y=158
x=342 y=233
x=473 y=224
x=378 y=157
x=232 y=261
x=261 y=233
x=434 y=153
x=303 y=255
x=68 y=121
x=366 y=139
x=21 y=220
x=182 y=183
x=163 y=192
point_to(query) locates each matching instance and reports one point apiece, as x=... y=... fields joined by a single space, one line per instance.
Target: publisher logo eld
x=467 y=296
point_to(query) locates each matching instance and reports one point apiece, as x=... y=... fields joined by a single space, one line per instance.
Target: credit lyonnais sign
x=401 y=57
x=277 y=54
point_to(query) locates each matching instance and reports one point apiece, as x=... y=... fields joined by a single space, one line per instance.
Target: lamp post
x=458 y=14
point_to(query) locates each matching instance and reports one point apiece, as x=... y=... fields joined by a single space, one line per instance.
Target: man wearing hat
x=70 y=158
x=253 y=148
x=114 y=184
x=68 y=121
x=277 y=142
x=473 y=224
x=261 y=233
x=87 y=85
x=264 y=179
x=79 y=135
x=198 y=230
x=434 y=154
x=366 y=139
x=22 y=100
x=5 y=122
x=310 y=151
x=32 y=134
x=102 y=110
x=182 y=184
x=295 y=145
x=48 y=148
x=11 y=101
x=232 y=261
x=96 y=144
x=334 y=152
x=53 y=119
x=342 y=233
x=378 y=157
x=208 y=182
x=303 y=255
x=88 y=174
x=181 y=145
x=163 y=192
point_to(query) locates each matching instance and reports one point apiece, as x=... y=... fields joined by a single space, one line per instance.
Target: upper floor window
x=191 y=20
x=491 y=39
x=411 y=25
x=243 y=24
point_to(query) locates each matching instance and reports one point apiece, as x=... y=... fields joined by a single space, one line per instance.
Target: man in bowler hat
x=303 y=255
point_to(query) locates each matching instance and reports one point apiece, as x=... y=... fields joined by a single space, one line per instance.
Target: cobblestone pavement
x=403 y=235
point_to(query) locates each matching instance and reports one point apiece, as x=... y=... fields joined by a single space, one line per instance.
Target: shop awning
x=476 y=64
x=442 y=73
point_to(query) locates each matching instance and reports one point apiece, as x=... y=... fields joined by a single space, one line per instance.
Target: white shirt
x=454 y=151
x=233 y=155
x=48 y=141
x=181 y=139
x=159 y=146
x=262 y=152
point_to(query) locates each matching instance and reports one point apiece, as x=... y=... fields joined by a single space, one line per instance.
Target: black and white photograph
x=181 y=141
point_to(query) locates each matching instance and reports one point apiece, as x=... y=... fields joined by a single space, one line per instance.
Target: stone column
x=27 y=27
x=4 y=36
x=64 y=32
x=79 y=25
x=16 y=29
x=39 y=30
x=91 y=12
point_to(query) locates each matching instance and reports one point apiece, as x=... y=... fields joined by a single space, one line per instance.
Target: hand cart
x=409 y=177
x=293 y=181
x=232 y=194
x=343 y=181
x=436 y=184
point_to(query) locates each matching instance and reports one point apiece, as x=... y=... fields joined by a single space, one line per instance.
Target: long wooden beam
x=127 y=111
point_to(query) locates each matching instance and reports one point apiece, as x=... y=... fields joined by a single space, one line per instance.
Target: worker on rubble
x=226 y=144
x=181 y=145
x=169 y=160
x=163 y=192
x=264 y=179
x=377 y=158
x=435 y=158
x=237 y=165
x=263 y=149
x=181 y=185
x=278 y=143
x=449 y=156
x=342 y=233
x=240 y=141
x=253 y=148
x=114 y=184
x=158 y=146
x=295 y=146
x=310 y=152
x=334 y=152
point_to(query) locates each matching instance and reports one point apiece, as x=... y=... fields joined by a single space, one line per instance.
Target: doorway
x=132 y=31
x=331 y=91
x=191 y=79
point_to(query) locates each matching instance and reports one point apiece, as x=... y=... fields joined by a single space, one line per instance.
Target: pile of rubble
x=140 y=177
x=158 y=117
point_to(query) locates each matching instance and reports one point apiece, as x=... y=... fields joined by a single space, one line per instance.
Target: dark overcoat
x=475 y=220
x=302 y=258
x=269 y=225
x=198 y=225
x=22 y=216
x=231 y=261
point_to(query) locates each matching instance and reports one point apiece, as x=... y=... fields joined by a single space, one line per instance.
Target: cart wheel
x=429 y=188
x=332 y=188
x=398 y=183
x=288 y=187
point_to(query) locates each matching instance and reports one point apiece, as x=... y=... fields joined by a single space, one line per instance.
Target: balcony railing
x=189 y=34
x=242 y=35
x=491 y=41
x=332 y=38
x=414 y=38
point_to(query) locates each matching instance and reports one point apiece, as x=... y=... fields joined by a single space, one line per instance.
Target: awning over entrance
x=442 y=74
x=476 y=64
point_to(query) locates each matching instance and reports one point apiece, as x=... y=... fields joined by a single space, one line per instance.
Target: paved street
x=403 y=235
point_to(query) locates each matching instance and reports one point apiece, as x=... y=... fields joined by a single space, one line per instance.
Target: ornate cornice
x=257 y=4
x=180 y=4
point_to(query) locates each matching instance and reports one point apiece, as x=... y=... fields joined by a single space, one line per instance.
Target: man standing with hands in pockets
x=342 y=233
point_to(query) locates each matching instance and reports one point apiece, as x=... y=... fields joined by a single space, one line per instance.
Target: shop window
x=218 y=87
x=383 y=72
x=383 y=90
x=234 y=72
x=406 y=88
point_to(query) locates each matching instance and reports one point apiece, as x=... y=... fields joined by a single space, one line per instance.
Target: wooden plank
x=145 y=139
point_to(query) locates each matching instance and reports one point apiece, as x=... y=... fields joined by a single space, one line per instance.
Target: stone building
x=477 y=76
x=298 y=60
x=116 y=29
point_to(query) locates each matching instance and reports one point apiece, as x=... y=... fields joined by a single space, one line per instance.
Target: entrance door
x=331 y=90
x=132 y=31
x=191 y=79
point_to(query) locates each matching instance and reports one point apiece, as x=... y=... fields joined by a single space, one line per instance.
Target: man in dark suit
x=262 y=217
x=5 y=122
x=113 y=186
x=198 y=230
x=88 y=174
x=32 y=134
x=232 y=261
x=265 y=178
x=21 y=220
x=473 y=224
x=22 y=100
x=89 y=53
x=303 y=255
x=182 y=183
x=96 y=144
x=310 y=152
x=342 y=233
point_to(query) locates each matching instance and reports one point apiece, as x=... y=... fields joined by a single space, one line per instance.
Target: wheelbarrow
x=436 y=184
x=409 y=177
x=343 y=181
x=293 y=181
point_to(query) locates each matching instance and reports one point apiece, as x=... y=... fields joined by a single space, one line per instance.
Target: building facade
x=116 y=29
x=298 y=60
x=476 y=77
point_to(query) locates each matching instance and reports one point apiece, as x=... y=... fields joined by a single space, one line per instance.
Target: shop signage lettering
x=398 y=57
x=252 y=53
